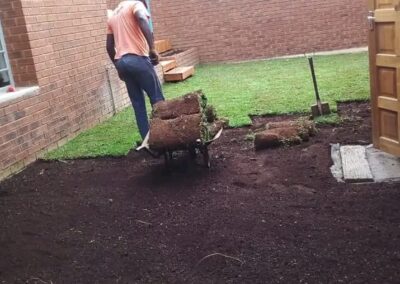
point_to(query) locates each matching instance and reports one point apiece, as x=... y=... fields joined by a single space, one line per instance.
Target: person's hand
x=154 y=57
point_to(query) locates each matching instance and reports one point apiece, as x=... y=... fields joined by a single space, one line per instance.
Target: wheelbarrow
x=197 y=147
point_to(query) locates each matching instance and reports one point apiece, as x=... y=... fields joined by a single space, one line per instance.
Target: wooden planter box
x=189 y=57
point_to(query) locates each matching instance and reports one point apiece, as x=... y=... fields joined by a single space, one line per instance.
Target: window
x=6 y=78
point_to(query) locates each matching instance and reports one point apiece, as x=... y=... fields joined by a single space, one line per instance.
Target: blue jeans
x=139 y=75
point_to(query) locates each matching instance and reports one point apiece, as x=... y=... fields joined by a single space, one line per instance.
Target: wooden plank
x=373 y=63
x=179 y=74
x=355 y=164
x=162 y=45
x=168 y=65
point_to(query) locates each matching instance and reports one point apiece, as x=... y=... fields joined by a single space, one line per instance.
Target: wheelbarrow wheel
x=192 y=153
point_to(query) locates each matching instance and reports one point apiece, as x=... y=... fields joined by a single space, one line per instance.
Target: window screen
x=5 y=70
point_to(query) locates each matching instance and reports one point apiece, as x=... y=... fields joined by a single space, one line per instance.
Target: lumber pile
x=276 y=134
x=182 y=122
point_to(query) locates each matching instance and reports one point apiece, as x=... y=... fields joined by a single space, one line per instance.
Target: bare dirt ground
x=278 y=214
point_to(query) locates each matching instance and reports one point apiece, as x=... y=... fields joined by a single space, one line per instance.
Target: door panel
x=382 y=4
x=384 y=46
x=389 y=124
x=385 y=33
x=387 y=82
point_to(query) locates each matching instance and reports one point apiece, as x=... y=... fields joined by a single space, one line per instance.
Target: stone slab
x=336 y=168
x=384 y=167
x=355 y=164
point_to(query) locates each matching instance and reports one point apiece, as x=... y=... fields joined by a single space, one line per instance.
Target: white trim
x=332 y=52
x=20 y=92
x=321 y=53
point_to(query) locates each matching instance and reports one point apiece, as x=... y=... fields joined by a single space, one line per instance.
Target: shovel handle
x=311 y=62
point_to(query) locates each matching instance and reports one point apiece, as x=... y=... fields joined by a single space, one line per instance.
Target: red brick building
x=53 y=51
x=236 y=30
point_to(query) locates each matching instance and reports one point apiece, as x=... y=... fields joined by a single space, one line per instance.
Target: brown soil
x=278 y=211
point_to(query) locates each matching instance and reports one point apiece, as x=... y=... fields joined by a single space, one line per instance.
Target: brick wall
x=66 y=40
x=112 y=4
x=234 y=30
x=14 y=28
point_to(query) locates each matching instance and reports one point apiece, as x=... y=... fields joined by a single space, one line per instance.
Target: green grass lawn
x=237 y=91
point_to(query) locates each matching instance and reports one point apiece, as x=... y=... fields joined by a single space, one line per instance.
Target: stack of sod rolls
x=182 y=122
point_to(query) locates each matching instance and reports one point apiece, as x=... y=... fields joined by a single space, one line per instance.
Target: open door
x=384 y=49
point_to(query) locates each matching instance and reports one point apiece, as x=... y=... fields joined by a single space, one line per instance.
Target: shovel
x=321 y=108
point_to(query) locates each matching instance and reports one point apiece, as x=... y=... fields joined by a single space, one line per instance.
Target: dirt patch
x=278 y=213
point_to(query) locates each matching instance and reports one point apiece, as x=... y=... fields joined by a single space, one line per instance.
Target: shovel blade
x=325 y=110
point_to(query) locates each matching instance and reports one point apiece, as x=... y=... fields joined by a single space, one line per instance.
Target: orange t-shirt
x=128 y=36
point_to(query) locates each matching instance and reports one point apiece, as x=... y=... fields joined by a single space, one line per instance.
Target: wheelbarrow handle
x=216 y=137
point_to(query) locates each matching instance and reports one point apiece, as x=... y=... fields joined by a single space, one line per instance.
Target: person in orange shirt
x=130 y=46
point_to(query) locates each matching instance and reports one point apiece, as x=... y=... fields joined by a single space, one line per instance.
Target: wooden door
x=384 y=48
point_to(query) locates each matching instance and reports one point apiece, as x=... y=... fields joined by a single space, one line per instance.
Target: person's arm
x=110 y=45
x=142 y=19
